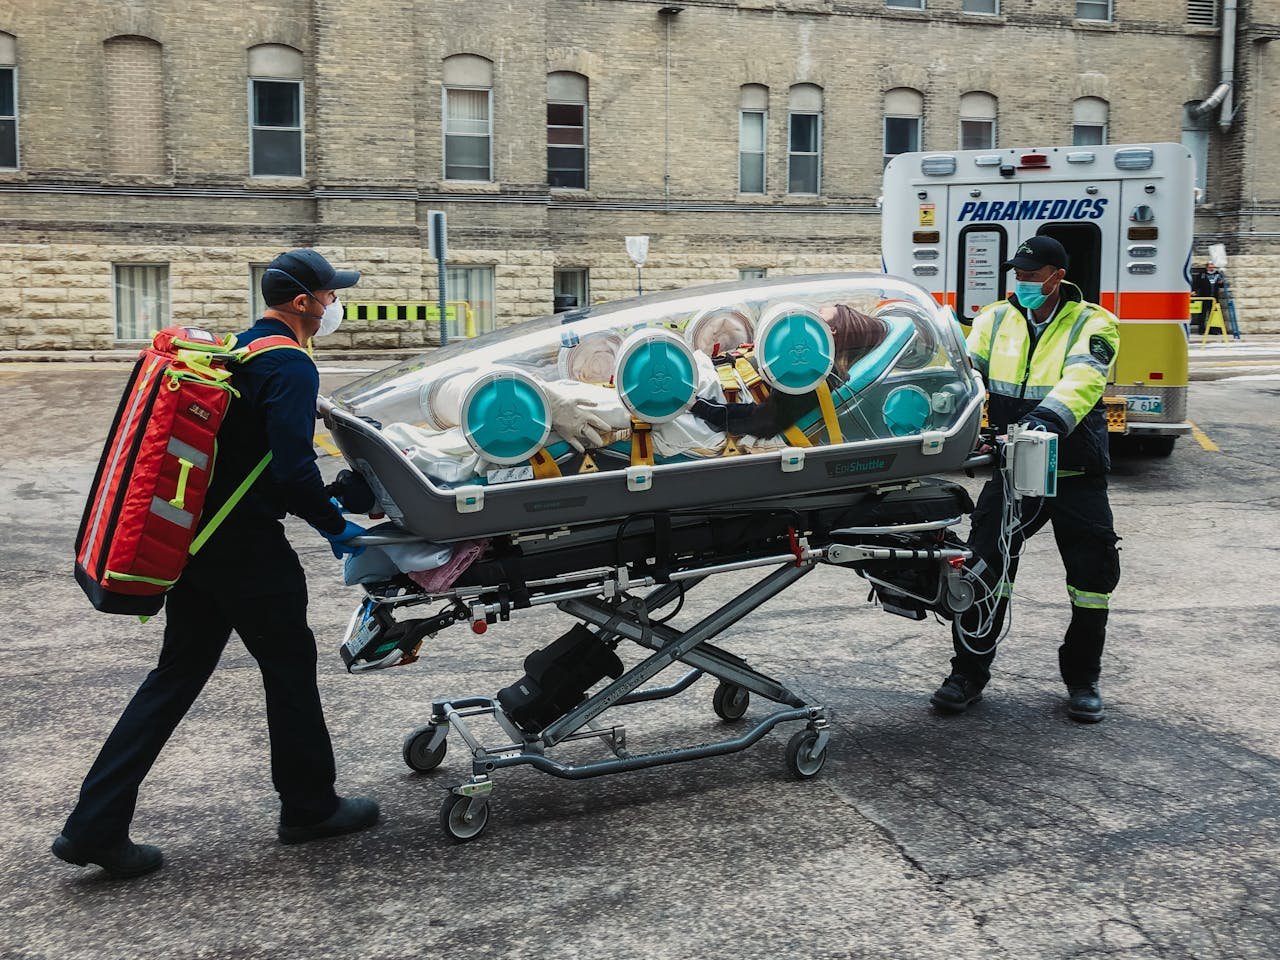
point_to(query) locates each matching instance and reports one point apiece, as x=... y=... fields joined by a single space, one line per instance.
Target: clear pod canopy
x=730 y=370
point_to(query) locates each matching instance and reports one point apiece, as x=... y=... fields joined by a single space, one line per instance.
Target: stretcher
x=618 y=528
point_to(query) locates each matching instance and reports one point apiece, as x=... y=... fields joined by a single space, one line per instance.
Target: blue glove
x=338 y=541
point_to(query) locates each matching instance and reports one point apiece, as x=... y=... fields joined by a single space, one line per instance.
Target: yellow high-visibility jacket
x=1055 y=380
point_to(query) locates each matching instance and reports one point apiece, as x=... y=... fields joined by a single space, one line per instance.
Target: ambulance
x=1125 y=215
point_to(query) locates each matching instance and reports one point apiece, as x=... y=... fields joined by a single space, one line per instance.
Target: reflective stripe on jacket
x=1056 y=379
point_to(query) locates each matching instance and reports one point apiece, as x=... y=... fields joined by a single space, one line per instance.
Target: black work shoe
x=1085 y=703
x=353 y=813
x=956 y=693
x=120 y=860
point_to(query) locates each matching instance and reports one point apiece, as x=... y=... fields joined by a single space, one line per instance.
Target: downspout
x=1223 y=94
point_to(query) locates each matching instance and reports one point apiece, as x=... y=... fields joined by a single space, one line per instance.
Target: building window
x=468 y=118
x=804 y=137
x=132 y=75
x=257 y=305
x=1202 y=13
x=1093 y=10
x=1089 y=122
x=8 y=102
x=903 y=108
x=753 y=121
x=981 y=6
x=977 y=121
x=752 y=273
x=567 y=130
x=142 y=300
x=571 y=288
x=906 y=4
x=275 y=111
x=1195 y=137
x=475 y=286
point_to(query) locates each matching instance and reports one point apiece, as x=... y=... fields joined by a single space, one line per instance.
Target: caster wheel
x=417 y=751
x=461 y=819
x=802 y=762
x=730 y=701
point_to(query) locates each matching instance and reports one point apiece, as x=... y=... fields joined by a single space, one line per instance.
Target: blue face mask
x=1028 y=294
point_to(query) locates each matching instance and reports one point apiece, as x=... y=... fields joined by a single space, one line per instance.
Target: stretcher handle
x=386 y=538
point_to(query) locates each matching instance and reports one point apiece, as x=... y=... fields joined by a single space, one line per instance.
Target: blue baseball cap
x=302 y=271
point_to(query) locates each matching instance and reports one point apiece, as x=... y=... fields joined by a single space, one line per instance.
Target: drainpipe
x=1223 y=94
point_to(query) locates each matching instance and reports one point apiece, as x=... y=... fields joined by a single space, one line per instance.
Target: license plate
x=1144 y=404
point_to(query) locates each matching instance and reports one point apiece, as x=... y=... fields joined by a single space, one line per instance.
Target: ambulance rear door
x=1083 y=215
x=978 y=241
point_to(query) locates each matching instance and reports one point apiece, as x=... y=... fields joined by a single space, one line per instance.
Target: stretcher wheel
x=730 y=701
x=417 y=751
x=802 y=762
x=462 y=819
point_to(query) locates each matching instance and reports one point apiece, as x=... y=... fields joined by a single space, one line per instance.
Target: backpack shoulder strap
x=255 y=348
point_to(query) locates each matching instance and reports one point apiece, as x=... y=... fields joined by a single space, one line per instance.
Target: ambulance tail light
x=1135 y=158
x=1034 y=161
x=926 y=236
x=938 y=166
x=1144 y=233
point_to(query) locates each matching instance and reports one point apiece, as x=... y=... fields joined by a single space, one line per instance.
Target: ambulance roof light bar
x=941 y=165
x=1135 y=158
x=1034 y=161
x=1081 y=156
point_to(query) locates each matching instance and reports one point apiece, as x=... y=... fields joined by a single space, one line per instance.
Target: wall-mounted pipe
x=1223 y=96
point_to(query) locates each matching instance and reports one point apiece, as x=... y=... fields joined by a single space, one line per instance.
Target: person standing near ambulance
x=1045 y=354
x=246 y=577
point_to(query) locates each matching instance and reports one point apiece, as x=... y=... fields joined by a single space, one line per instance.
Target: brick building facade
x=152 y=155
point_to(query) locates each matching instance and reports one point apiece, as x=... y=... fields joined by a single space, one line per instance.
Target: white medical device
x=1031 y=462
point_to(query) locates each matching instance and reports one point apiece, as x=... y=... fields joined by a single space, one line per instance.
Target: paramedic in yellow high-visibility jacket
x=1045 y=354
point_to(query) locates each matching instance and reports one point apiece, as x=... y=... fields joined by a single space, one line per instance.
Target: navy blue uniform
x=246 y=578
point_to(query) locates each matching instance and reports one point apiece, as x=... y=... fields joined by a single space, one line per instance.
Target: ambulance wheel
x=802 y=762
x=730 y=701
x=461 y=819
x=1158 y=446
x=417 y=751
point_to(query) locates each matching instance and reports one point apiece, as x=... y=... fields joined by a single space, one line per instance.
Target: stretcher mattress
x=858 y=379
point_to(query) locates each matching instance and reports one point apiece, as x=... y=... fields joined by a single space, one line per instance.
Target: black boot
x=120 y=860
x=1085 y=703
x=353 y=813
x=956 y=693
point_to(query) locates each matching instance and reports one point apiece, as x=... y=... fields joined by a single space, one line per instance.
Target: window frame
x=762 y=153
x=17 y=139
x=989 y=121
x=1091 y=126
x=115 y=298
x=1109 y=18
x=919 y=137
x=453 y=296
x=301 y=128
x=981 y=13
x=791 y=115
x=753 y=273
x=585 y=275
x=586 y=173
x=444 y=132
x=905 y=4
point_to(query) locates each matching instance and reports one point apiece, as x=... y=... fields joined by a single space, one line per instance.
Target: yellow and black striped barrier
x=458 y=313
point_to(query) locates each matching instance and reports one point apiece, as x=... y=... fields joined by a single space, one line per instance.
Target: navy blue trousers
x=1084 y=531
x=255 y=585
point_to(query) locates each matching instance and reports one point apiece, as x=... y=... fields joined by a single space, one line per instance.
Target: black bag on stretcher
x=557 y=679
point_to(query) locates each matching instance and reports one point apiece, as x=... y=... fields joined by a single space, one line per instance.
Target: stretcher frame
x=604 y=599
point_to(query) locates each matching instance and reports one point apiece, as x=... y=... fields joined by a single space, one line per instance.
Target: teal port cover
x=506 y=417
x=796 y=351
x=656 y=376
x=906 y=411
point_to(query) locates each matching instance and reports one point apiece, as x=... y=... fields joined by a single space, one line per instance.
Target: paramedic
x=1045 y=354
x=246 y=578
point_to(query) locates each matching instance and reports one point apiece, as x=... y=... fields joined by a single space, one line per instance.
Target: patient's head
x=855 y=333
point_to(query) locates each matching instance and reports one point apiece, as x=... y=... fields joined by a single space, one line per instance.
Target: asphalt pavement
x=1010 y=831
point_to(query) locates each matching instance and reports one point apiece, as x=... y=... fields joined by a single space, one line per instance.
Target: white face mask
x=331 y=319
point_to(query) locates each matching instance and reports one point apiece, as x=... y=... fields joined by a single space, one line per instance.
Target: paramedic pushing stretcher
x=1045 y=355
x=246 y=578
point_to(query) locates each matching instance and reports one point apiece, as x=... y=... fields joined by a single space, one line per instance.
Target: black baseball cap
x=1036 y=253
x=302 y=271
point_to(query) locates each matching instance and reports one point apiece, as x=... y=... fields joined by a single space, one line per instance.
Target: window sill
x=137 y=180
x=275 y=182
x=470 y=186
x=1100 y=26
x=906 y=13
x=982 y=19
x=571 y=193
x=12 y=174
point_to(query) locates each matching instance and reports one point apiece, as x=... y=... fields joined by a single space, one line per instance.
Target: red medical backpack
x=139 y=525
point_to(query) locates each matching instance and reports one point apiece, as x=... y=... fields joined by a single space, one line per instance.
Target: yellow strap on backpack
x=751 y=378
x=828 y=407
